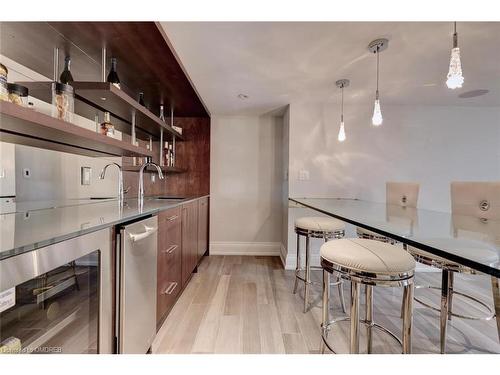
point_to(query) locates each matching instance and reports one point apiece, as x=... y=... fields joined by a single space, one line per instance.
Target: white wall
x=431 y=145
x=246 y=185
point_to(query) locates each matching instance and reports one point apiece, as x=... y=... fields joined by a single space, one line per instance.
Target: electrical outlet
x=303 y=175
x=85 y=175
x=26 y=173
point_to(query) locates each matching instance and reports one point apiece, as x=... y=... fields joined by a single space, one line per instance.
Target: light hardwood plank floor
x=244 y=304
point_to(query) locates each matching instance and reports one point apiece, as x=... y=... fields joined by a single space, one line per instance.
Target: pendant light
x=454 y=77
x=376 y=47
x=341 y=83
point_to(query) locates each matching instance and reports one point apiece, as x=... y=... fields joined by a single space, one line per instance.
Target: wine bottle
x=141 y=99
x=66 y=76
x=162 y=116
x=113 y=75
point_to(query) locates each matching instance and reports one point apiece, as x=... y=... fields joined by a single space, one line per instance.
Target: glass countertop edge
x=483 y=268
x=18 y=250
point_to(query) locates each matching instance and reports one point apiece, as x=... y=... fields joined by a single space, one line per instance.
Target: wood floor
x=238 y=304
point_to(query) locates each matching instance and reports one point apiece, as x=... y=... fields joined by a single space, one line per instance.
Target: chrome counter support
x=495 y=286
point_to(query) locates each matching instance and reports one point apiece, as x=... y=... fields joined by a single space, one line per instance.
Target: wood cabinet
x=202 y=227
x=169 y=266
x=182 y=241
x=189 y=239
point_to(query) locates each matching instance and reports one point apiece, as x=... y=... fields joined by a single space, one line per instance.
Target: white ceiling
x=276 y=63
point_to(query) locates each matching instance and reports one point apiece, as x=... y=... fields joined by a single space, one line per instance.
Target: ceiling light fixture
x=341 y=83
x=242 y=96
x=454 y=78
x=376 y=47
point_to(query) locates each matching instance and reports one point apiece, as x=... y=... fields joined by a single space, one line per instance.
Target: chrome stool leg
x=341 y=293
x=354 y=338
x=445 y=299
x=340 y=288
x=326 y=308
x=308 y=275
x=297 y=267
x=450 y=294
x=369 y=316
x=407 y=317
x=495 y=287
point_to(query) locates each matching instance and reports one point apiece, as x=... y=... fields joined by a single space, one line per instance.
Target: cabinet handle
x=171 y=249
x=172 y=218
x=170 y=289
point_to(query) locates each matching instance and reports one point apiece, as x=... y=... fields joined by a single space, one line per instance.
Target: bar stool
x=315 y=227
x=475 y=208
x=370 y=263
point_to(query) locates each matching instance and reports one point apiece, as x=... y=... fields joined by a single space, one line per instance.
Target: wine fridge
x=58 y=299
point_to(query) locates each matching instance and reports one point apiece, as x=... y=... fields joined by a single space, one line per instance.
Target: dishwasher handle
x=140 y=236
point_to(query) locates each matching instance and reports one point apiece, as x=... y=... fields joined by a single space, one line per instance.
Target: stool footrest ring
x=324 y=330
x=479 y=302
x=333 y=283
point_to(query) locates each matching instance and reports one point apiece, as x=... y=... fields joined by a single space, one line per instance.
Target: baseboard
x=245 y=248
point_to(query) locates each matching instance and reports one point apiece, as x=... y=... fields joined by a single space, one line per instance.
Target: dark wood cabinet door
x=169 y=261
x=202 y=227
x=189 y=239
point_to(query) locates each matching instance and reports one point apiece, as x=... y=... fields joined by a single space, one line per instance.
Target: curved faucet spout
x=141 y=179
x=120 y=178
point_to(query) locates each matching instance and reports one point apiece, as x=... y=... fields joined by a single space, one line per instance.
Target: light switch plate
x=86 y=173
x=26 y=173
x=303 y=175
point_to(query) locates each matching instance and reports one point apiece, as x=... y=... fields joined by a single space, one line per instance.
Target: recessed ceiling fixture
x=376 y=47
x=341 y=83
x=473 y=93
x=454 y=77
x=242 y=96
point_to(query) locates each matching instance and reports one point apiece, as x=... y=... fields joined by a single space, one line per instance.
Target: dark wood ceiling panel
x=145 y=62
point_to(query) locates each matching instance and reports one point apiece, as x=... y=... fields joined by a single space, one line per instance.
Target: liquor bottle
x=141 y=99
x=172 y=157
x=162 y=116
x=113 y=75
x=167 y=156
x=66 y=76
x=107 y=128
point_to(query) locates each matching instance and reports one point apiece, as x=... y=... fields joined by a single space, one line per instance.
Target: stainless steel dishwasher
x=137 y=286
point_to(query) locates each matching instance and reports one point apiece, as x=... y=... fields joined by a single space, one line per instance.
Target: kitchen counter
x=25 y=231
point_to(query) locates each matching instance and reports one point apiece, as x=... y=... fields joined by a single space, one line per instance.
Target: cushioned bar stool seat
x=370 y=263
x=315 y=227
x=320 y=224
x=368 y=256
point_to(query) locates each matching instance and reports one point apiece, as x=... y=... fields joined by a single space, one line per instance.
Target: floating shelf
x=136 y=168
x=25 y=126
x=109 y=98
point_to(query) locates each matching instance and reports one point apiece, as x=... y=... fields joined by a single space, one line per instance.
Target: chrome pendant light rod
x=455 y=35
x=377 y=46
x=341 y=83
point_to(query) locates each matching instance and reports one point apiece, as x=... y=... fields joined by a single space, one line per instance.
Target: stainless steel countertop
x=38 y=227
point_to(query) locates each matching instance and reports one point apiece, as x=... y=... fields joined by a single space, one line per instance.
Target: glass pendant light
x=454 y=77
x=341 y=83
x=376 y=47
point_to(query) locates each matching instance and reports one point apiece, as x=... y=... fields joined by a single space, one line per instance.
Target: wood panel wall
x=193 y=155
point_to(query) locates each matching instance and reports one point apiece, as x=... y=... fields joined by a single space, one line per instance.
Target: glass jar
x=4 y=92
x=18 y=94
x=63 y=101
x=107 y=128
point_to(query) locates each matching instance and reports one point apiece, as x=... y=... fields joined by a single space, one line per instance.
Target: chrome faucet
x=141 y=179
x=120 y=179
